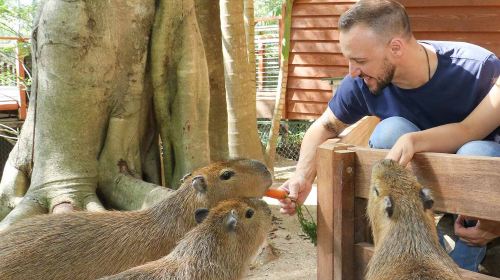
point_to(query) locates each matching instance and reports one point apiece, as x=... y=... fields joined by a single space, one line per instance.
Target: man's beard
x=385 y=80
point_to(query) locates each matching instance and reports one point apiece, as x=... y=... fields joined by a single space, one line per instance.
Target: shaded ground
x=290 y=254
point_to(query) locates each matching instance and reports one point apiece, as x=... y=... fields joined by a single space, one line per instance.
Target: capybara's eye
x=226 y=175
x=249 y=213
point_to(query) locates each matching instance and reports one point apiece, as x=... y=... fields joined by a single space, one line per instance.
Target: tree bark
x=110 y=79
x=181 y=88
x=282 y=82
x=89 y=91
x=242 y=126
x=208 y=14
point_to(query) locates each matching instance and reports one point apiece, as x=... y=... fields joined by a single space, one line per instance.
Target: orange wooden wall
x=315 y=52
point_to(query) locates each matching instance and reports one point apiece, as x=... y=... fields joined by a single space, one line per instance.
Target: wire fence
x=290 y=137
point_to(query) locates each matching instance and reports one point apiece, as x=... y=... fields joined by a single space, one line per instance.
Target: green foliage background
x=267 y=8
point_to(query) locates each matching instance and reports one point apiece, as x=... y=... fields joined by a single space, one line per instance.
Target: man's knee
x=480 y=148
x=388 y=131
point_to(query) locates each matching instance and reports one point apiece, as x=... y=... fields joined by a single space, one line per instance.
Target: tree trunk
x=110 y=79
x=242 y=126
x=181 y=88
x=282 y=82
x=208 y=14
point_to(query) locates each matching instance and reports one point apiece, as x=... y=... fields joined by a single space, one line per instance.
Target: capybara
x=88 y=245
x=404 y=232
x=220 y=248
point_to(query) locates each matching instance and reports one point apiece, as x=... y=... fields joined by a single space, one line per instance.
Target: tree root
x=131 y=193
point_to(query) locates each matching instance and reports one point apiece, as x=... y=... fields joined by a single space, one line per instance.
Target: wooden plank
x=487 y=40
x=325 y=209
x=308 y=83
x=449 y=176
x=321 y=9
x=315 y=35
x=302 y=116
x=9 y=106
x=327 y=21
x=318 y=59
x=447 y=3
x=326 y=1
x=310 y=107
x=363 y=252
x=317 y=71
x=315 y=46
x=362 y=255
x=309 y=95
x=343 y=215
x=464 y=19
x=329 y=176
x=362 y=229
x=359 y=133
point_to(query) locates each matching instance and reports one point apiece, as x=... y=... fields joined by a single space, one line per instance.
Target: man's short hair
x=386 y=17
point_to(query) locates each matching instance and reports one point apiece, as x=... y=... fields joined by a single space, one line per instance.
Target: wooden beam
x=449 y=176
x=335 y=206
x=359 y=133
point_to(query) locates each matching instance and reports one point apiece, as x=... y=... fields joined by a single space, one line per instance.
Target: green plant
x=309 y=227
x=267 y=8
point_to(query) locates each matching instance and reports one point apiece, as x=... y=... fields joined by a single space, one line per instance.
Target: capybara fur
x=404 y=232
x=91 y=245
x=220 y=248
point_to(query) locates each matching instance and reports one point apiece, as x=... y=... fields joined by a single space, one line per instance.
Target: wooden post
x=22 y=87
x=335 y=211
x=260 y=70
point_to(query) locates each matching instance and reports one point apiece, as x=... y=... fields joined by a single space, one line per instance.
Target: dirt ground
x=290 y=255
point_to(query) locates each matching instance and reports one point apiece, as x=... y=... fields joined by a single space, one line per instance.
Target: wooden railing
x=461 y=184
x=12 y=90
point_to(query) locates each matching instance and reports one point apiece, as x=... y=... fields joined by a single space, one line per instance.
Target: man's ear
x=396 y=45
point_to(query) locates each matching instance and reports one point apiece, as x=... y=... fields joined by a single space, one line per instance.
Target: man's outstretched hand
x=479 y=235
x=298 y=189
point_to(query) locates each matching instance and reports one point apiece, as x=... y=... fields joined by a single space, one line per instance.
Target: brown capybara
x=91 y=245
x=220 y=248
x=404 y=232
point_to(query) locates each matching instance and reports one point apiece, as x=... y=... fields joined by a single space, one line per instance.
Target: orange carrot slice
x=276 y=193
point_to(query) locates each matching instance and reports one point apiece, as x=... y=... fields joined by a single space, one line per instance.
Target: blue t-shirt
x=465 y=73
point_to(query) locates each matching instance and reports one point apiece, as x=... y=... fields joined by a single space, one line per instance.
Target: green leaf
x=309 y=227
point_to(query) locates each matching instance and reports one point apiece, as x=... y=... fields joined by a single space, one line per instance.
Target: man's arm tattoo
x=333 y=127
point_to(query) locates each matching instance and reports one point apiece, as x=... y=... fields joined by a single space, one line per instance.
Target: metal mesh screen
x=290 y=136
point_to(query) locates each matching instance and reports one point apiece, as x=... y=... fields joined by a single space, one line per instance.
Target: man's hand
x=403 y=151
x=298 y=188
x=480 y=234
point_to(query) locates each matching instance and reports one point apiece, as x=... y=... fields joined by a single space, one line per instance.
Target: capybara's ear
x=185 y=177
x=388 y=206
x=231 y=221
x=200 y=214
x=427 y=201
x=199 y=184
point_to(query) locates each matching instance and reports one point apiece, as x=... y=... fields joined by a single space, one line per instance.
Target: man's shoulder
x=460 y=50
